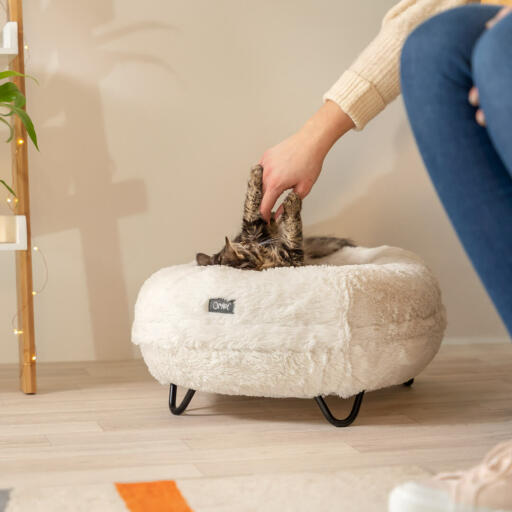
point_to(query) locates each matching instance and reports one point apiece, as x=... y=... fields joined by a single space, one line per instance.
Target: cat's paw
x=257 y=174
x=292 y=203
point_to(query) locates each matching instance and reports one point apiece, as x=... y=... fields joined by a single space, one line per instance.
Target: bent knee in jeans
x=444 y=43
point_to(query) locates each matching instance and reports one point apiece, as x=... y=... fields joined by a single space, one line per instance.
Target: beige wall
x=149 y=116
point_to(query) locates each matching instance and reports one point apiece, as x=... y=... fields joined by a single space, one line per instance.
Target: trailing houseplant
x=12 y=102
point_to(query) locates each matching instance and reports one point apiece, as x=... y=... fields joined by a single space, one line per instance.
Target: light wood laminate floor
x=99 y=422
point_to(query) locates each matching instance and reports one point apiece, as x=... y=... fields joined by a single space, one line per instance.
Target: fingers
x=271 y=191
x=301 y=189
x=270 y=197
x=473 y=96
x=475 y=101
x=480 y=117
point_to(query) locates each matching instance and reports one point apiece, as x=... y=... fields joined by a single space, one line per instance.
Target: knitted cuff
x=357 y=97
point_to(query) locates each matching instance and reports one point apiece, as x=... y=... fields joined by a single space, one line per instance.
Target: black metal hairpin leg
x=173 y=392
x=335 y=421
x=345 y=422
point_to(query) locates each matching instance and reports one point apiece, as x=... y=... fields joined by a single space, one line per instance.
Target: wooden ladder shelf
x=25 y=303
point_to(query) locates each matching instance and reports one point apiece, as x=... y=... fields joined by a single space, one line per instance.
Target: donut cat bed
x=359 y=320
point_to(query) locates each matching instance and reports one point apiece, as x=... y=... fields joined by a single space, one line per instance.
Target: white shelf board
x=9 y=48
x=13 y=227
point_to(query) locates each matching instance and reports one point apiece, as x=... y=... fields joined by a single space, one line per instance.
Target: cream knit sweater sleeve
x=373 y=81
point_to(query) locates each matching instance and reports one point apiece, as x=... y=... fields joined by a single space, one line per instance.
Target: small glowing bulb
x=33 y=358
x=34 y=292
x=26 y=47
x=36 y=248
x=20 y=142
x=18 y=331
x=8 y=199
x=15 y=199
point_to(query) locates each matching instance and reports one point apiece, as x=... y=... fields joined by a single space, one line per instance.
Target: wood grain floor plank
x=97 y=422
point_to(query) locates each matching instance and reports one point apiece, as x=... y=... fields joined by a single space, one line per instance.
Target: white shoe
x=484 y=488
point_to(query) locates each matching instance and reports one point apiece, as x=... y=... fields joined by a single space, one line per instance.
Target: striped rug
x=358 y=490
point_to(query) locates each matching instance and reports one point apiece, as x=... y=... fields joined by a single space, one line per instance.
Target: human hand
x=296 y=162
x=293 y=163
x=473 y=93
x=474 y=100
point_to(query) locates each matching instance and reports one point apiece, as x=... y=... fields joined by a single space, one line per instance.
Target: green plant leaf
x=20 y=101
x=12 y=99
x=25 y=119
x=8 y=188
x=9 y=92
x=8 y=73
x=11 y=129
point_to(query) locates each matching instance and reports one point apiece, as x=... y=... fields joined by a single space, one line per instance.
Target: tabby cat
x=278 y=244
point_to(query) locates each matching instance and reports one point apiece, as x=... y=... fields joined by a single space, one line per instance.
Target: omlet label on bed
x=221 y=306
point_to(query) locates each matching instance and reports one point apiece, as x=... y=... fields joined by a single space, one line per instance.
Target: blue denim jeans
x=469 y=165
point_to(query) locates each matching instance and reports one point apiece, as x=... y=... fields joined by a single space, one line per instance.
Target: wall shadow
x=81 y=174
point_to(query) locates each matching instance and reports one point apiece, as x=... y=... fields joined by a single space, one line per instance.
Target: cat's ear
x=203 y=259
x=230 y=249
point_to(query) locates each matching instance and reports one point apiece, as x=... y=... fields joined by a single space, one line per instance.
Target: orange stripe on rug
x=160 y=496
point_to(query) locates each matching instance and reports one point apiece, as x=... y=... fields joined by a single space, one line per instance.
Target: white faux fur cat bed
x=361 y=319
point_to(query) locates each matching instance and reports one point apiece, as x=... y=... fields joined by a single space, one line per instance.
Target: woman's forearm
x=326 y=126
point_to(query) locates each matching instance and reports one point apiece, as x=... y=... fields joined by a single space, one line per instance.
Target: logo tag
x=221 y=306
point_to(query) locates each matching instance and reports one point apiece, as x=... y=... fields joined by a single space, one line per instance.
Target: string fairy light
x=15 y=330
x=12 y=202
